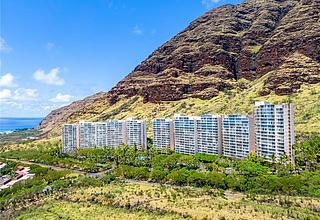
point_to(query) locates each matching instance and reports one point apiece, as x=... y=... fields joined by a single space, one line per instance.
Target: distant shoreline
x=10 y=125
x=16 y=130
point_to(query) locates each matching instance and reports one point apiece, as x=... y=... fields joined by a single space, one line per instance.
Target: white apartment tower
x=238 y=136
x=163 y=136
x=101 y=134
x=185 y=134
x=209 y=136
x=274 y=130
x=87 y=134
x=136 y=133
x=116 y=133
x=70 y=141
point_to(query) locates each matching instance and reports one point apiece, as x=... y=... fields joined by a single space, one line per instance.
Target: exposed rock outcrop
x=225 y=44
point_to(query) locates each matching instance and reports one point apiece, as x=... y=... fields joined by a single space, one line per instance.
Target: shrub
x=158 y=174
x=216 y=180
x=197 y=179
x=178 y=177
x=139 y=173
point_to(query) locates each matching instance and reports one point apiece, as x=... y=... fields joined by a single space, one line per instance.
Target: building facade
x=101 y=134
x=238 y=136
x=70 y=140
x=209 y=136
x=270 y=133
x=87 y=135
x=163 y=136
x=185 y=134
x=274 y=130
x=136 y=133
x=116 y=133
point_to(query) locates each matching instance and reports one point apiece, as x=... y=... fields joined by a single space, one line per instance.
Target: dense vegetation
x=30 y=187
x=45 y=182
x=252 y=175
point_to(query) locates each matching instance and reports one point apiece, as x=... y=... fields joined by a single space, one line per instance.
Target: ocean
x=12 y=124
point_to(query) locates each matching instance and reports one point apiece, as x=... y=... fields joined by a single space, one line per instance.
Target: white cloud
x=137 y=30
x=4 y=47
x=209 y=3
x=61 y=98
x=22 y=94
x=52 y=78
x=50 y=46
x=7 y=80
x=5 y=94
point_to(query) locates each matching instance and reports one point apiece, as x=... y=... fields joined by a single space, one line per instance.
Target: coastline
x=10 y=125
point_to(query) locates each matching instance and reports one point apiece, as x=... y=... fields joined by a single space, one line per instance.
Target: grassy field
x=139 y=200
x=70 y=210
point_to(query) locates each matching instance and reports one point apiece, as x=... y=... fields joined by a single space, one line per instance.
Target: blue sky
x=54 y=52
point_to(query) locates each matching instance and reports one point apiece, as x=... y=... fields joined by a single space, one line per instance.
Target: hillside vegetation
x=240 y=101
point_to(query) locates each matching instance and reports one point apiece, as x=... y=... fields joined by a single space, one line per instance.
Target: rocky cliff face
x=280 y=38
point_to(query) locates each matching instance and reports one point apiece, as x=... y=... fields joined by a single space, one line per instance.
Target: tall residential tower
x=101 y=134
x=163 y=136
x=87 y=134
x=238 y=136
x=116 y=133
x=185 y=134
x=70 y=138
x=136 y=133
x=274 y=130
x=209 y=136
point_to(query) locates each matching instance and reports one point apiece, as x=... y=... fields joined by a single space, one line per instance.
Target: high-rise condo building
x=116 y=133
x=238 y=136
x=209 y=136
x=163 y=136
x=185 y=134
x=270 y=133
x=87 y=134
x=70 y=141
x=136 y=133
x=274 y=130
x=101 y=134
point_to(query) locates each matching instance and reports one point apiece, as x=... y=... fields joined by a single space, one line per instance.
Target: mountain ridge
x=223 y=51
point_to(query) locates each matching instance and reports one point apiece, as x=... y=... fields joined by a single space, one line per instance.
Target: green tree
x=197 y=179
x=178 y=177
x=158 y=174
x=250 y=168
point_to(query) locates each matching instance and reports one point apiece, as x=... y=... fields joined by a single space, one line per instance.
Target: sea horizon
x=11 y=124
